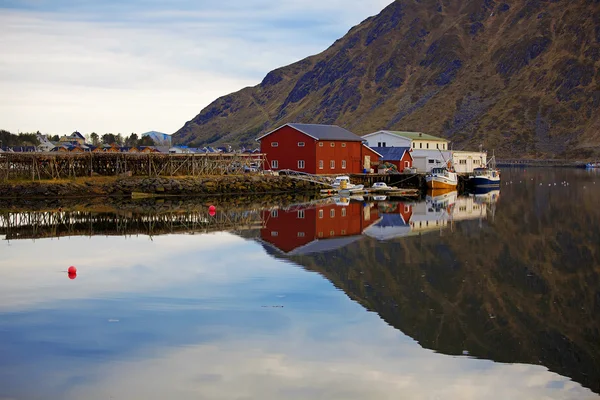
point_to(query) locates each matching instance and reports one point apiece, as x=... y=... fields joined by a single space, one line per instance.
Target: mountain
x=520 y=77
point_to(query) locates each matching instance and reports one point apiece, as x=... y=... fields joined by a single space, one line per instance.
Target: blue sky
x=135 y=66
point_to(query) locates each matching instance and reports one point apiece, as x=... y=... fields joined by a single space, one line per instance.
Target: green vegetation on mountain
x=521 y=77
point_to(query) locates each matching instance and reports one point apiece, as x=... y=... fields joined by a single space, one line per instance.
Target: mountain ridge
x=521 y=78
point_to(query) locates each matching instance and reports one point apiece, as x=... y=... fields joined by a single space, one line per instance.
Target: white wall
x=465 y=161
x=389 y=139
x=425 y=160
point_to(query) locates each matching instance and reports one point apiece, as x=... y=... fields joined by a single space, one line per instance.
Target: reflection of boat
x=488 y=197
x=441 y=178
x=593 y=165
x=441 y=198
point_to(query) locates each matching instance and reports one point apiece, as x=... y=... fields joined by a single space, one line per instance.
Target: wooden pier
x=38 y=166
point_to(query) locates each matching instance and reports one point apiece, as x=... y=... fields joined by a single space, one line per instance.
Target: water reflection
x=215 y=316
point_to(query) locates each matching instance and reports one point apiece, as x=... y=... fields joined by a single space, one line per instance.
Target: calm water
x=479 y=297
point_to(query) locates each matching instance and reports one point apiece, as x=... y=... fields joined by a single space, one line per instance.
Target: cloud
x=142 y=65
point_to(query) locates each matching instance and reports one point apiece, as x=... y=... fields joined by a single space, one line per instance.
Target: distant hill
x=520 y=77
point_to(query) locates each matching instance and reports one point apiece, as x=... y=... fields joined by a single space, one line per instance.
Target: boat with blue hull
x=485 y=177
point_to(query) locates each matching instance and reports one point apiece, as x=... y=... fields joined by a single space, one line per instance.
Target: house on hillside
x=45 y=144
x=400 y=157
x=73 y=138
x=316 y=149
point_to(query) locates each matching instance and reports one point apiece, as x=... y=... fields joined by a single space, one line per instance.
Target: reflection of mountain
x=520 y=291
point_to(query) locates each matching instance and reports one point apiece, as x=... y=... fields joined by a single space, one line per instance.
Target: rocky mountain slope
x=520 y=77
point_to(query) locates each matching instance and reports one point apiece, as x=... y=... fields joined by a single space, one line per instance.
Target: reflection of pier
x=46 y=224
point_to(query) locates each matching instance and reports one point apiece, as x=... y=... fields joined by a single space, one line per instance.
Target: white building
x=45 y=144
x=427 y=151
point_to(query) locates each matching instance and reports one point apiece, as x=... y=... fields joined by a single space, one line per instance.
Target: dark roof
x=391 y=153
x=322 y=132
x=79 y=135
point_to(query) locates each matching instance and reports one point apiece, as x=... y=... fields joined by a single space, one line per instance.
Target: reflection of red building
x=396 y=207
x=316 y=229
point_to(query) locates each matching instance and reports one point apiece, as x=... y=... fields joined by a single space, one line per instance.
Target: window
x=437 y=145
x=378 y=144
x=332 y=213
x=343 y=212
x=274 y=164
x=300 y=164
x=320 y=234
x=420 y=145
x=383 y=144
x=343 y=164
x=301 y=214
x=414 y=145
x=332 y=164
x=462 y=161
x=343 y=231
x=300 y=234
x=331 y=233
x=274 y=233
x=320 y=144
x=274 y=144
x=300 y=144
x=427 y=145
x=332 y=144
x=431 y=161
x=320 y=164
x=343 y=144
x=274 y=213
x=443 y=146
x=406 y=164
x=320 y=213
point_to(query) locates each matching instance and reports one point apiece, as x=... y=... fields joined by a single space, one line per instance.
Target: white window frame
x=274 y=144
x=301 y=234
x=332 y=164
x=301 y=214
x=320 y=213
x=274 y=164
x=320 y=144
x=406 y=164
x=274 y=213
x=332 y=213
x=332 y=144
x=274 y=233
x=301 y=164
x=301 y=144
x=343 y=164
x=321 y=164
x=343 y=212
x=343 y=144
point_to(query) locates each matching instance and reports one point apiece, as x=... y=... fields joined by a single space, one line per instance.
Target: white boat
x=441 y=178
x=342 y=182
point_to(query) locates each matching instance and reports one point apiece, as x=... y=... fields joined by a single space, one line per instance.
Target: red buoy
x=72 y=275
x=212 y=210
x=72 y=270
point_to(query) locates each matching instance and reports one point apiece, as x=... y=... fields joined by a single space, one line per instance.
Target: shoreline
x=124 y=187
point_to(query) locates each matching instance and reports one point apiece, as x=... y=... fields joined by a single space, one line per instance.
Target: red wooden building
x=398 y=156
x=317 y=229
x=316 y=149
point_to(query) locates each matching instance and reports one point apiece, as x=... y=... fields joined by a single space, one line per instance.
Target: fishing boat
x=486 y=177
x=442 y=178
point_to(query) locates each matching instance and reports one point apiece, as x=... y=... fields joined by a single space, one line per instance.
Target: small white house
x=45 y=144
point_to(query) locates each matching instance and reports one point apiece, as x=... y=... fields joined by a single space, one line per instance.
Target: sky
x=138 y=65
